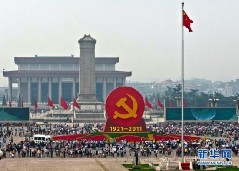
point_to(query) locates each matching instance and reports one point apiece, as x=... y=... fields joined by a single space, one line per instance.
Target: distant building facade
x=41 y=77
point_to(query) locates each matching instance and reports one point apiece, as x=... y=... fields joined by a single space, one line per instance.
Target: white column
x=9 y=88
x=29 y=90
x=60 y=90
x=79 y=78
x=104 y=89
x=74 y=88
x=39 y=90
x=19 y=86
x=49 y=88
x=114 y=82
x=123 y=79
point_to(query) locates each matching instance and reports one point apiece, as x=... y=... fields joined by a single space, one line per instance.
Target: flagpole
x=60 y=115
x=164 y=107
x=73 y=115
x=52 y=114
x=182 y=80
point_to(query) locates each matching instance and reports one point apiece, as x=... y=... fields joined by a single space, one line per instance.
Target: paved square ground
x=74 y=164
x=60 y=164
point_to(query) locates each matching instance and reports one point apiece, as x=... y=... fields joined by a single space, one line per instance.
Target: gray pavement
x=60 y=164
x=77 y=164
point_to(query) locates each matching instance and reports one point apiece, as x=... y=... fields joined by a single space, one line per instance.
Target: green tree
x=192 y=97
x=169 y=92
x=177 y=94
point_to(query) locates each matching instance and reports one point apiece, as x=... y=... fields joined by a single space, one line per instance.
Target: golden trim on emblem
x=131 y=112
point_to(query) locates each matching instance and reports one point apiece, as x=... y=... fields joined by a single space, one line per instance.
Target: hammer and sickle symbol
x=131 y=111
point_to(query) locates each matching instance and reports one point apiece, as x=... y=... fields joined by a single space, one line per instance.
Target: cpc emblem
x=131 y=112
x=125 y=106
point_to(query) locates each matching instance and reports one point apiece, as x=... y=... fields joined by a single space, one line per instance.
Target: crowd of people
x=219 y=135
x=218 y=129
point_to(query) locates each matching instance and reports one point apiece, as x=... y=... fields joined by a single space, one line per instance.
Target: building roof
x=62 y=60
x=62 y=73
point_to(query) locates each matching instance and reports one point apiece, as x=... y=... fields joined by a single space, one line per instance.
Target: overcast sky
x=146 y=35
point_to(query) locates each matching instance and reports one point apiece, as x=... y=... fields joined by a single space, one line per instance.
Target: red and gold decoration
x=124 y=108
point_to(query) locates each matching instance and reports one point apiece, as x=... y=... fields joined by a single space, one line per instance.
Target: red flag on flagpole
x=207 y=104
x=36 y=106
x=49 y=102
x=171 y=103
x=148 y=104
x=22 y=102
x=187 y=21
x=76 y=104
x=64 y=104
x=10 y=103
x=184 y=103
x=160 y=104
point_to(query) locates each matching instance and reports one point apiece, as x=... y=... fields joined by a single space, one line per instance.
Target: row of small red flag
x=150 y=106
x=50 y=104
x=63 y=103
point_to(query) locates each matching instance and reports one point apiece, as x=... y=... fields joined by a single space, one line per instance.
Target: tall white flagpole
x=73 y=117
x=182 y=80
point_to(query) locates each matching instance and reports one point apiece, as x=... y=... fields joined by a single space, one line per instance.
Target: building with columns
x=40 y=77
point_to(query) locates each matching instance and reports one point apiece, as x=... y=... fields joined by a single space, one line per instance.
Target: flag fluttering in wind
x=171 y=103
x=49 y=102
x=207 y=104
x=76 y=104
x=184 y=103
x=148 y=104
x=10 y=103
x=64 y=104
x=36 y=106
x=187 y=21
x=160 y=104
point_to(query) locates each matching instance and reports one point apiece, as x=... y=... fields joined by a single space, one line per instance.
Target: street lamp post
x=195 y=101
x=178 y=100
x=237 y=105
x=213 y=101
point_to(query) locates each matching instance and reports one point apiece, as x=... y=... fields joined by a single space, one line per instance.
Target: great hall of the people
x=40 y=77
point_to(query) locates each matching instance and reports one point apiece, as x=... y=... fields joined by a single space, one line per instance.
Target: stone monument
x=87 y=83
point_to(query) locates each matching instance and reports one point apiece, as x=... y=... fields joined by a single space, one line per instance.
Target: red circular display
x=124 y=106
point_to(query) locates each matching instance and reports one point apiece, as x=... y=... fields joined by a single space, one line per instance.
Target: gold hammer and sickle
x=131 y=112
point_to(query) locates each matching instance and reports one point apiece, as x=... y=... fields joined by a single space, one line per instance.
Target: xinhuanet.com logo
x=214 y=157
